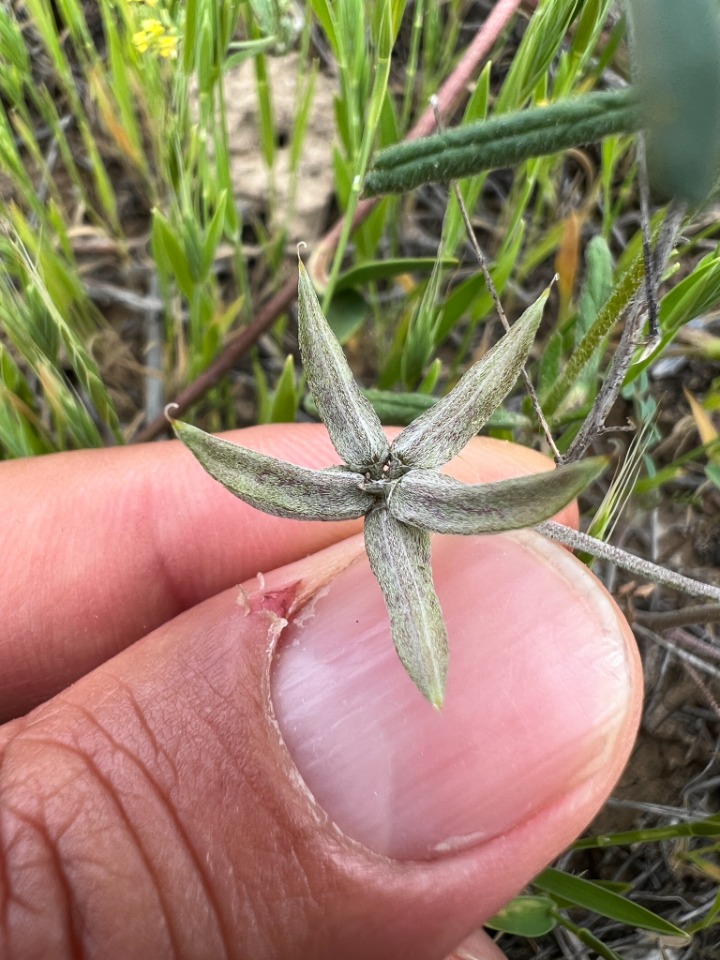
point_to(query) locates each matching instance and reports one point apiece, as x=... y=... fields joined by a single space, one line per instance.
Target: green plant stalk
x=380 y=85
x=666 y=474
x=540 y=46
x=603 y=323
x=503 y=141
x=708 y=827
x=470 y=190
x=412 y=64
x=304 y=98
x=587 y=938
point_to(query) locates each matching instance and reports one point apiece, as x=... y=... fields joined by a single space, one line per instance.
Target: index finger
x=106 y=545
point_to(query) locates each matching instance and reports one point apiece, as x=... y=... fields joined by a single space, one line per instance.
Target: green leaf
x=386 y=269
x=550 y=363
x=525 y=916
x=285 y=401
x=400 y=559
x=170 y=255
x=213 y=234
x=601 y=327
x=694 y=295
x=274 y=486
x=346 y=313
x=432 y=501
x=432 y=375
x=400 y=409
x=591 y=896
x=598 y=283
x=440 y=433
x=420 y=338
x=712 y=472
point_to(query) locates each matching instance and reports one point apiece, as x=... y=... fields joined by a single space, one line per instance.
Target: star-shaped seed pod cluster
x=396 y=486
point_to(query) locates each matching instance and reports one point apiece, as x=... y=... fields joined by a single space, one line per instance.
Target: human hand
x=183 y=790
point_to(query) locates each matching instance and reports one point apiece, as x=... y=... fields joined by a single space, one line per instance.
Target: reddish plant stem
x=449 y=97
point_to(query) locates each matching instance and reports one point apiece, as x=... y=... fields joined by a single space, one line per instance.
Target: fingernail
x=538 y=693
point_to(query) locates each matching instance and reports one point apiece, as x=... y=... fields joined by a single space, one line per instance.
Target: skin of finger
x=137 y=535
x=153 y=810
x=478 y=946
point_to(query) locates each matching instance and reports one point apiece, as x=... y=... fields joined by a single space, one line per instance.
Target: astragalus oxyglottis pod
x=396 y=486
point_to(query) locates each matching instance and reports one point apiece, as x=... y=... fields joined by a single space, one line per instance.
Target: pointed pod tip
x=301 y=246
x=168 y=412
x=433 y=692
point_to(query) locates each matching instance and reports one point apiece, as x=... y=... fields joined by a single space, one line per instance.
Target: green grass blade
x=592 y=896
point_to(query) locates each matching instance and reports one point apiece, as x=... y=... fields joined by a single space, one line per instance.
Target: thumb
x=199 y=797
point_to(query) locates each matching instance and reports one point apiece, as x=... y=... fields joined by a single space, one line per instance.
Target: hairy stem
x=641 y=568
x=504 y=141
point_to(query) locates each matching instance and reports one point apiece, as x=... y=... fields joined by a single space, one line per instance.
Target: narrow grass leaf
x=435 y=502
x=353 y=425
x=400 y=559
x=708 y=827
x=694 y=295
x=170 y=255
x=540 y=44
x=385 y=269
x=263 y=400
x=273 y=486
x=400 y=409
x=591 y=896
x=213 y=234
x=472 y=294
x=441 y=432
x=285 y=401
x=421 y=332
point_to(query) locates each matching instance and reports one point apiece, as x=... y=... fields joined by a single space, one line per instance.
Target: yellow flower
x=154 y=36
x=167 y=46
